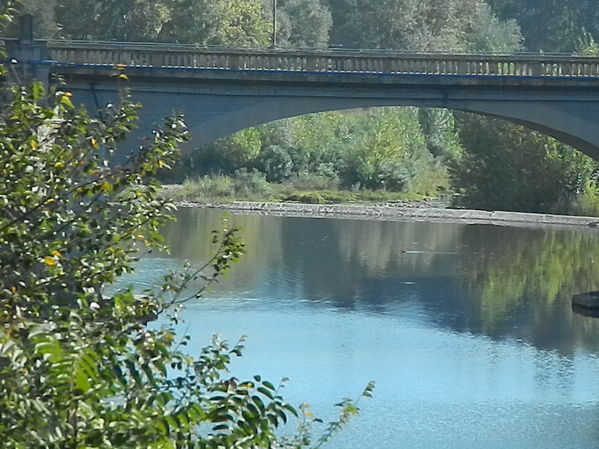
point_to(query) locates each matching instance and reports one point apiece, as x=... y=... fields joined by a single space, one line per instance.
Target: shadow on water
x=500 y=282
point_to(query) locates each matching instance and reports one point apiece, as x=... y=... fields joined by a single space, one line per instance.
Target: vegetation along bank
x=379 y=155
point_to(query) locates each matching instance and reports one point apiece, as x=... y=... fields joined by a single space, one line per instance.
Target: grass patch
x=251 y=186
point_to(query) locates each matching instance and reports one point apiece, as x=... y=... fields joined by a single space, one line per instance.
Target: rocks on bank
x=397 y=211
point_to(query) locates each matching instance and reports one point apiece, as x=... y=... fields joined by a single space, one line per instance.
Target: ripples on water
x=467 y=330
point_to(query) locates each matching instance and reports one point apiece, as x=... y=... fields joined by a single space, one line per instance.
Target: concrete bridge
x=223 y=90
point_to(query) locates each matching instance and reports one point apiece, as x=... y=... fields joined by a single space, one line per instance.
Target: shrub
x=275 y=163
x=80 y=368
x=251 y=184
x=508 y=167
x=313 y=181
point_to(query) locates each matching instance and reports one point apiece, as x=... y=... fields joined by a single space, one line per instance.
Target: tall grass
x=251 y=186
x=243 y=185
x=585 y=203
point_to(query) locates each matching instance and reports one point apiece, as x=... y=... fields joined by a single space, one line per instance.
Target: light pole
x=274 y=24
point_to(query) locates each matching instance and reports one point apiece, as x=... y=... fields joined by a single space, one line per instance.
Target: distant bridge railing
x=321 y=61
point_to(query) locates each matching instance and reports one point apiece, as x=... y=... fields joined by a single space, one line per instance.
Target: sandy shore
x=399 y=212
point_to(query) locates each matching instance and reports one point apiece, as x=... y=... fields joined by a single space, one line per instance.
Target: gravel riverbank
x=398 y=212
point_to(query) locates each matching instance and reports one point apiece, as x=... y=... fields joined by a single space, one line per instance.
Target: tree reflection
x=521 y=282
x=501 y=282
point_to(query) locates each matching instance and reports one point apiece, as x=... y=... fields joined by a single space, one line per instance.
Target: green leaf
x=37 y=90
x=66 y=101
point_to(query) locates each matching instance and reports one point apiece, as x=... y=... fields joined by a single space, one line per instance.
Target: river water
x=466 y=329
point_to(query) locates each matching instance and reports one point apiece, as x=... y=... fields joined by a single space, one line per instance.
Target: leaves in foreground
x=83 y=369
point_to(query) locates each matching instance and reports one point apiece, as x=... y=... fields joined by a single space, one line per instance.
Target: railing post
x=462 y=67
x=535 y=68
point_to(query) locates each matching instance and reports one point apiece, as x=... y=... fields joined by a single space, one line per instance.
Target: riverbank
x=418 y=211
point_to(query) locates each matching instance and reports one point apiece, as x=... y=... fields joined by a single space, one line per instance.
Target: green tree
x=205 y=22
x=388 y=150
x=121 y=20
x=304 y=23
x=218 y=22
x=433 y=25
x=509 y=167
x=562 y=22
x=489 y=34
x=79 y=366
x=44 y=13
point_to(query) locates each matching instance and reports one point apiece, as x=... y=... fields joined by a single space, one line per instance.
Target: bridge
x=224 y=90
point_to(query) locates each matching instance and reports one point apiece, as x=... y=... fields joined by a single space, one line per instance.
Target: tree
x=562 y=22
x=305 y=23
x=509 y=167
x=205 y=22
x=238 y=23
x=80 y=367
x=489 y=34
x=44 y=11
x=120 y=20
x=431 y=25
x=388 y=151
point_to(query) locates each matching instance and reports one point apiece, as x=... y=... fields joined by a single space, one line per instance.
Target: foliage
x=206 y=22
x=250 y=183
x=412 y=24
x=561 y=21
x=276 y=163
x=508 y=167
x=78 y=367
x=388 y=150
x=377 y=149
x=361 y=150
x=586 y=45
x=44 y=12
x=121 y=20
x=309 y=189
x=304 y=23
x=489 y=34
x=313 y=181
x=586 y=203
x=217 y=22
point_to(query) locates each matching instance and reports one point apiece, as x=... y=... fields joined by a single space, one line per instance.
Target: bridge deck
x=315 y=61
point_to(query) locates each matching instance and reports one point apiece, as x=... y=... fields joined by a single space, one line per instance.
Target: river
x=466 y=329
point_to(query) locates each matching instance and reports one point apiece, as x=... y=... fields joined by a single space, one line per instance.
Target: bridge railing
x=366 y=62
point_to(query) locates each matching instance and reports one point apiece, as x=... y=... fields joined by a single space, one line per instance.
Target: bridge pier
x=27 y=55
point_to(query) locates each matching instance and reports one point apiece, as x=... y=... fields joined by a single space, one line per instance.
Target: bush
x=79 y=368
x=312 y=181
x=508 y=167
x=275 y=163
x=586 y=203
x=206 y=188
x=251 y=184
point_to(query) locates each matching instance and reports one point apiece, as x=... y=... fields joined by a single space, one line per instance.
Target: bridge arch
x=573 y=126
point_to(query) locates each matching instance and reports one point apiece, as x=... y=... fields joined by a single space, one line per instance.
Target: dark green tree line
x=550 y=25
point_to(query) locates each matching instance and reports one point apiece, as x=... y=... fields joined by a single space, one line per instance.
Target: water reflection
x=521 y=282
x=468 y=330
x=501 y=282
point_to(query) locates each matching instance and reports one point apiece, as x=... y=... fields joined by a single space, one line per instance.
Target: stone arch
x=570 y=124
